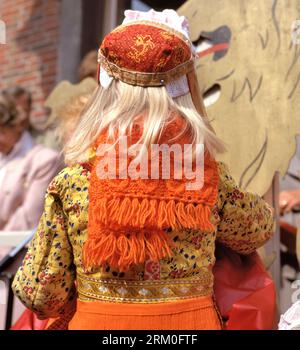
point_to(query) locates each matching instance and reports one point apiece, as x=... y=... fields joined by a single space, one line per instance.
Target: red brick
x=29 y=58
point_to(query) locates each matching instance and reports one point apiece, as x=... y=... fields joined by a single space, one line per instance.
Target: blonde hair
x=121 y=105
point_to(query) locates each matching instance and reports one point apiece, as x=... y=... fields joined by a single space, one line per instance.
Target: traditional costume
x=139 y=253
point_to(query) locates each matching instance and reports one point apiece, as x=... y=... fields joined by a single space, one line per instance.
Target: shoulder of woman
x=40 y=155
x=41 y=149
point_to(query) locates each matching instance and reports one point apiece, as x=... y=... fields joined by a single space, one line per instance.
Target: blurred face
x=9 y=136
x=24 y=105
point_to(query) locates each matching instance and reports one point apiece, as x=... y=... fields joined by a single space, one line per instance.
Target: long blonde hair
x=120 y=105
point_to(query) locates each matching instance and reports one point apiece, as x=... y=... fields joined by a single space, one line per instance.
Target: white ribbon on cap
x=175 y=88
x=104 y=79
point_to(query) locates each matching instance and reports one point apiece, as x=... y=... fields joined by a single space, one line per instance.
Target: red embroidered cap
x=146 y=53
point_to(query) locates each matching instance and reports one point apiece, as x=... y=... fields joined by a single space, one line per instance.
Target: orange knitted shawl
x=129 y=218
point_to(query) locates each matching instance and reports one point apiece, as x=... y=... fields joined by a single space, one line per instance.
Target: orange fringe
x=122 y=250
x=110 y=244
x=127 y=224
x=156 y=213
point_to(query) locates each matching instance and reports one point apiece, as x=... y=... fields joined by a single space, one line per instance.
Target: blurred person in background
x=68 y=118
x=22 y=99
x=65 y=103
x=36 y=127
x=88 y=66
x=46 y=131
x=65 y=120
x=25 y=168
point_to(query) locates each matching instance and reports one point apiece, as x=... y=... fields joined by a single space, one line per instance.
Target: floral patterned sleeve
x=246 y=220
x=45 y=281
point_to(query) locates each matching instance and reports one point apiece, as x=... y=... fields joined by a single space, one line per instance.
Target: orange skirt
x=191 y=314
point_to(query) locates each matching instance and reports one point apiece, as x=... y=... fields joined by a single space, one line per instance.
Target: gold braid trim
x=145 y=79
x=149 y=291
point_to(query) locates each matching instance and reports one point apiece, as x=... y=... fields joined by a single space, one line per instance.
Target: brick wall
x=29 y=57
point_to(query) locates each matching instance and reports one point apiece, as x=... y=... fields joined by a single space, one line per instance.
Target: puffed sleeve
x=246 y=220
x=45 y=281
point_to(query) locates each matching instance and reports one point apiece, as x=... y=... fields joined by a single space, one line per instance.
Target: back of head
x=88 y=66
x=18 y=93
x=146 y=97
x=146 y=67
x=10 y=115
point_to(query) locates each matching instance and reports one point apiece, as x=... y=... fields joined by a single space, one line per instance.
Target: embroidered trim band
x=145 y=79
x=150 y=291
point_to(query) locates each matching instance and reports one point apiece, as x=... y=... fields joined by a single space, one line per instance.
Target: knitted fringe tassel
x=122 y=250
x=125 y=231
x=150 y=213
